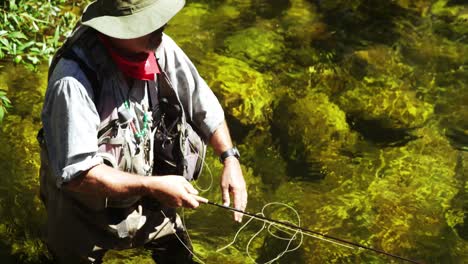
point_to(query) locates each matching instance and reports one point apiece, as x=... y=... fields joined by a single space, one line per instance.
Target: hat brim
x=135 y=25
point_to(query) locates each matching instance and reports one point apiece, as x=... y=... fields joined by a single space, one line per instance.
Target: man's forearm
x=221 y=140
x=105 y=181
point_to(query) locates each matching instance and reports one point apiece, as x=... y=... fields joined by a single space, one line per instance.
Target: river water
x=351 y=118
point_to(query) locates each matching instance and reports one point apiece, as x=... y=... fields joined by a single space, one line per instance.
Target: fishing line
x=293 y=234
x=280 y=225
x=205 y=165
x=312 y=233
x=264 y=226
x=182 y=242
x=202 y=190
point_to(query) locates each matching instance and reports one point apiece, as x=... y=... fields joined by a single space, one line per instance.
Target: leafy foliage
x=5 y=103
x=32 y=30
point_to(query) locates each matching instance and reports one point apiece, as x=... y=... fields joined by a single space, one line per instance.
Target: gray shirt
x=71 y=119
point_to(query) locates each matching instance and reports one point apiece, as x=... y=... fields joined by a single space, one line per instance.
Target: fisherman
x=105 y=127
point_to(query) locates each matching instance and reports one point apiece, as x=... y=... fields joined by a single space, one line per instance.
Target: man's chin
x=154 y=44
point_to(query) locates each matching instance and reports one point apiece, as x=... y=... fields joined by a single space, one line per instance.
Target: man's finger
x=200 y=199
x=226 y=199
x=237 y=195
x=191 y=202
x=244 y=201
x=190 y=189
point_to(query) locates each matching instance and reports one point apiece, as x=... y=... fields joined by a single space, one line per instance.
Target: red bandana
x=144 y=69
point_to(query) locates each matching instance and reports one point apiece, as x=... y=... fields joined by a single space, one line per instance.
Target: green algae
x=301 y=22
x=256 y=44
x=385 y=100
x=21 y=209
x=244 y=92
x=193 y=16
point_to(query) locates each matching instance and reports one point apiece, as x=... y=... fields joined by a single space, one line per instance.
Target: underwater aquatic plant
x=302 y=23
x=255 y=46
x=22 y=211
x=244 y=92
x=387 y=100
x=412 y=194
x=314 y=123
x=193 y=16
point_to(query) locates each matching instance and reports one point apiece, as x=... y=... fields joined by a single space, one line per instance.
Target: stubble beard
x=154 y=42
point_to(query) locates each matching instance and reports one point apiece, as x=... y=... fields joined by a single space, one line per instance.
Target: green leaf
x=5 y=43
x=2 y=113
x=56 y=36
x=33 y=59
x=25 y=45
x=6 y=102
x=14 y=18
x=36 y=28
x=13 y=5
x=18 y=59
x=18 y=35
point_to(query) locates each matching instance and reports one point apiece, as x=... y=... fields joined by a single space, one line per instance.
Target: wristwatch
x=228 y=153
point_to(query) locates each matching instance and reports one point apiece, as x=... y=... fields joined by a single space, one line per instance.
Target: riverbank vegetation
x=31 y=31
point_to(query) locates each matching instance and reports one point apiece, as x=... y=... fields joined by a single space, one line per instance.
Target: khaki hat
x=127 y=19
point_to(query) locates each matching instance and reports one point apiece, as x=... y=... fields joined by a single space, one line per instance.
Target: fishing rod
x=294 y=227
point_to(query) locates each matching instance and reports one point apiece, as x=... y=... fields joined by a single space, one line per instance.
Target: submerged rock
x=316 y=131
x=381 y=59
x=412 y=196
x=244 y=92
x=388 y=101
x=256 y=45
x=392 y=199
x=199 y=39
x=302 y=23
x=260 y=152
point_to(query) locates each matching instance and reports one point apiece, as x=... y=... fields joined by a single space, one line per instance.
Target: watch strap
x=228 y=153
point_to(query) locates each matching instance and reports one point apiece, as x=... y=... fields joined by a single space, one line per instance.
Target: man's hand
x=232 y=182
x=173 y=191
x=104 y=181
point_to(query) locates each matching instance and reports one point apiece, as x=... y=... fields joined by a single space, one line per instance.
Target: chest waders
x=170 y=145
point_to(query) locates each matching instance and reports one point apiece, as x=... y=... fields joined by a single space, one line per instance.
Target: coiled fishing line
x=268 y=226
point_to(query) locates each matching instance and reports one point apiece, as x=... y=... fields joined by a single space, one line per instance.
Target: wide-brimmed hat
x=127 y=19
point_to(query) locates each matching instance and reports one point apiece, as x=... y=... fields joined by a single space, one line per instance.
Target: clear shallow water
x=353 y=113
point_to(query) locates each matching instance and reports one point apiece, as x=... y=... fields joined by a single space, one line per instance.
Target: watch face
x=236 y=152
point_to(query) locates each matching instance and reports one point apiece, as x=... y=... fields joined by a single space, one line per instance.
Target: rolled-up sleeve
x=71 y=123
x=200 y=103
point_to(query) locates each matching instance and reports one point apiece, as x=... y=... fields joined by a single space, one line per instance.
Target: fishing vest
x=148 y=139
